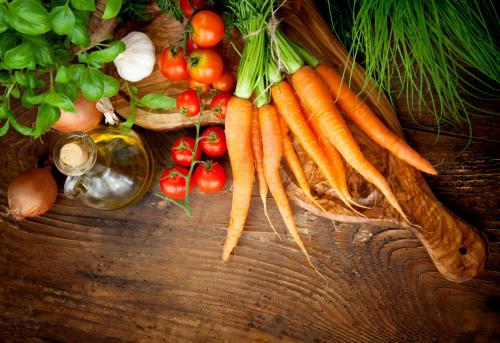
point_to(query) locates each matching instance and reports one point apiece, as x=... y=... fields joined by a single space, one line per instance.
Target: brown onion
x=86 y=118
x=32 y=193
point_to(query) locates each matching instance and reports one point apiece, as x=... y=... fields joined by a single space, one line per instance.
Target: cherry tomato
x=210 y=177
x=172 y=64
x=187 y=9
x=205 y=65
x=219 y=104
x=208 y=28
x=226 y=83
x=172 y=184
x=213 y=141
x=202 y=87
x=188 y=103
x=191 y=45
x=182 y=151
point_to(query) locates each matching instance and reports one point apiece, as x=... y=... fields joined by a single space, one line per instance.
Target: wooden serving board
x=456 y=248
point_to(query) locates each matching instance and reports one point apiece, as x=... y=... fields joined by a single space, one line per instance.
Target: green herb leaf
x=157 y=101
x=3 y=20
x=79 y=35
x=19 y=57
x=15 y=92
x=22 y=78
x=76 y=70
x=83 y=5
x=42 y=50
x=29 y=99
x=8 y=40
x=134 y=90
x=4 y=129
x=47 y=116
x=28 y=17
x=59 y=100
x=62 y=19
x=91 y=84
x=109 y=54
x=22 y=129
x=111 y=85
x=112 y=8
x=63 y=74
x=69 y=89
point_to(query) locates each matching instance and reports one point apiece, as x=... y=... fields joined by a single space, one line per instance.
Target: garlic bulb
x=138 y=59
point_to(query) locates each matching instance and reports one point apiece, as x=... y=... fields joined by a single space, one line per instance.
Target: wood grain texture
x=149 y=274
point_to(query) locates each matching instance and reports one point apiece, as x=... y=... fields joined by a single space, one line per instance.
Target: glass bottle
x=106 y=168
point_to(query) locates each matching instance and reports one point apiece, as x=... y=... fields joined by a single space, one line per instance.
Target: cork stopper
x=73 y=155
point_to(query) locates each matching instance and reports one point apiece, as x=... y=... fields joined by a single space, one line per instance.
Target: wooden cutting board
x=456 y=248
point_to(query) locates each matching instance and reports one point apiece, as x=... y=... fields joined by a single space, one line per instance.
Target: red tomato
x=172 y=184
x=210 y=177
x=213 y=141
x=208 y=28
x=191 y=45
x=188 y=103
x=172 y=64
x=226 y=83
x=182 y=151
x=205 y=65
x=202 y=87
x=187 y=9
x=219 y=104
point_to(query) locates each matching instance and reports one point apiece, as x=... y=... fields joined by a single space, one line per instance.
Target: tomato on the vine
x=188 y=6
x=173 y=184
x=210 y=177
x=213 y=141
x=226 y=83
x=219 y=104
x=172 y=64
x=208 y=28
x=188 y=103
x=201 y=87
x=182 y=151
x=205 y=65
x=191 y=45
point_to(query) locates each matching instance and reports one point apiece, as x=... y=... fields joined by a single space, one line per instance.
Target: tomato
x=208 y=28
x=188 y=9
x=182 y=151
x=205 y=65
x=172 y=184
x=213 y=141
x=226 y=83
x=191 y=45
x=202 y=87
x=188 y=103
x=172 y=64
x=219 y=104
x=210 y=177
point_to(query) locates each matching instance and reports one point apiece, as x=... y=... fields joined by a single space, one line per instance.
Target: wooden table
x=150 y=274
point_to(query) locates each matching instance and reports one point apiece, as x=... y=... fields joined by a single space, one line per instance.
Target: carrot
x=368 y=121
x=294 y=164
x=316 y=97
x=238 y=123
x=289 y=108
x=258 y=157
x=271 y=141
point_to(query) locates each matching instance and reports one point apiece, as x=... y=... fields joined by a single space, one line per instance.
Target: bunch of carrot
x=307 y=105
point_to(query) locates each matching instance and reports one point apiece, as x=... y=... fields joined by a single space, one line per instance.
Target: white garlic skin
x=138 y=59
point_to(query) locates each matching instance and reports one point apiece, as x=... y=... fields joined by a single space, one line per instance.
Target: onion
x=32 y=193
x=86 y=118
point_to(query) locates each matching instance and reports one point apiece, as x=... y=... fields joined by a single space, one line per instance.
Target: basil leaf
x=8 y=40
x=83 y=5
x=109 y=54
x=4 y=129
x=63 y=74
x=19 y=57
x=22 y=129
x=62 y=19
x=157 y=101
x=22 y=78
x=76 y=70
x=91 y=84
x=47 y=116
x=42 y=50
x=112 y=8
x=82 y=18
x=79 y=35
x=29 y=99
x=69 y=89
x=3 y=114
x=3 y=20
x=15 y=92
x=59 y=100
x=28 y=17
x=111 y=85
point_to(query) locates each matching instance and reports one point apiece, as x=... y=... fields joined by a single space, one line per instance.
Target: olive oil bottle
x=106 y=168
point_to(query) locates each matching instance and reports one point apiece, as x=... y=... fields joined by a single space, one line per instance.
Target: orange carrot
x=368 y=121
x=238 y=123
x=258 y=157
x=316 y=97
x=271 y=141
x=289 y=108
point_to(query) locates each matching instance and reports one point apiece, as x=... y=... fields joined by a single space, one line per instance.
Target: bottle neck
x=75 y=154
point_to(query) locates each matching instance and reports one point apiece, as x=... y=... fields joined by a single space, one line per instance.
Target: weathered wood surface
x=149 y=274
